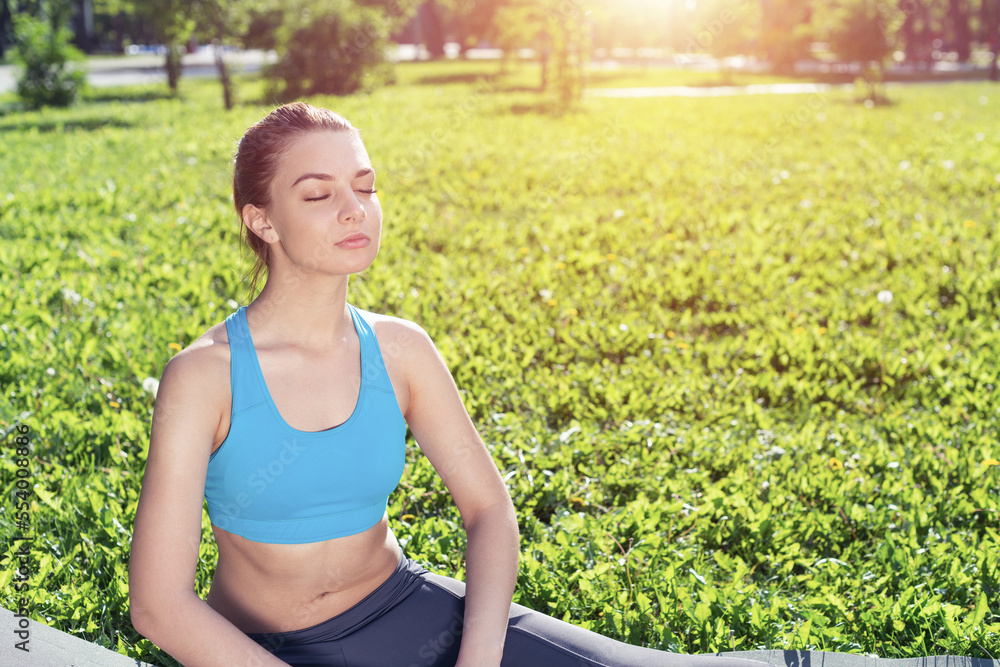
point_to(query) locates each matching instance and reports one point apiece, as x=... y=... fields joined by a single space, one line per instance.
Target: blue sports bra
x=269 y=482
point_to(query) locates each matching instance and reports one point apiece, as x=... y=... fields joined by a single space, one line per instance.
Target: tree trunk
x=4 y=22
x=83 y=25
x=958 y=14
x=431 y=31
x=173 y=65
x=989 y=22
x=224 y=79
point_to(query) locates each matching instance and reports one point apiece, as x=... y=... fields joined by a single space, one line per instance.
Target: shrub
x=331 y=48
x=43 y=53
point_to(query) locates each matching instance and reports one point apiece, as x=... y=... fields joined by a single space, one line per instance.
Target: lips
x=353 y=241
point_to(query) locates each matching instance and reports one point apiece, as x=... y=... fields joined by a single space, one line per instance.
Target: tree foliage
x=173 y=25
x=865 y=32
x=558 y=31
x=220 y=22
x=470 y=22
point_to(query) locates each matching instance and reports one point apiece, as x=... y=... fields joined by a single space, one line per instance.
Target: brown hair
x=258 y=158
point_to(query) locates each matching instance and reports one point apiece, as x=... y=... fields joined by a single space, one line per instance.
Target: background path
x=148 y=68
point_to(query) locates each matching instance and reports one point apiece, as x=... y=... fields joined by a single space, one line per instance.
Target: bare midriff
x=262 y=587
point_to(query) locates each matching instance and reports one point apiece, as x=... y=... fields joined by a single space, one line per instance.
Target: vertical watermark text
x=22 y=561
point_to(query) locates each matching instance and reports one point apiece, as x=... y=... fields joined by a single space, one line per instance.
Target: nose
x=353 y=211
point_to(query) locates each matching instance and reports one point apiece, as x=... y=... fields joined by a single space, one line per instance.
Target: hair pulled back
x=257 y=160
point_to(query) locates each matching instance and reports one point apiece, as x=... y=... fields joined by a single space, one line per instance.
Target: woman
x=290 y=419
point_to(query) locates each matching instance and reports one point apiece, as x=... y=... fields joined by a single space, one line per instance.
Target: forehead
x=335 y=153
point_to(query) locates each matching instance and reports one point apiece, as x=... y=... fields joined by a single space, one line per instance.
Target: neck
x=311 y=314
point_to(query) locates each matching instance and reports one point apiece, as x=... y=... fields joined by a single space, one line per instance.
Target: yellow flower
x=822 y=330
x=671 y=237
x=991 y=462
x=561 y=265
x=969 y=223
x=572 y=312
x=551 y=302
x=835 y=463
x=610 y=257
x=523 y=250
x=116 y=253
x=577 y=502
x=799 y=330
x=407 y=517
x=175 y=346
x=670 y=334
x=114 y=404
x=682 y=345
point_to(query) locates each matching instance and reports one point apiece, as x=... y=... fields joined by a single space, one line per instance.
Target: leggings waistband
x=403 y=581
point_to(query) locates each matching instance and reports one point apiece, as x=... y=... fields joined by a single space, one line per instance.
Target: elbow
x=499 y=517
x=142 y=621
x=143 y=614
x=151 y=615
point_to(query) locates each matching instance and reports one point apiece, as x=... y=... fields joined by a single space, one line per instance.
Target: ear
x=255 y=219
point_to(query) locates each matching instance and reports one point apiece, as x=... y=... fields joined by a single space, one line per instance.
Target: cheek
x=375 y=212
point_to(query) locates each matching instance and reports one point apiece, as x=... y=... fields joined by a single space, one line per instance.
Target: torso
x=262 y=587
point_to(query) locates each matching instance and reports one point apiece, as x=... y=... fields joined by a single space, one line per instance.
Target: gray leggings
x=414 y=619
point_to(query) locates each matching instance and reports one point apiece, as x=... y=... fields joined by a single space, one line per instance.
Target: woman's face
x=324 y=212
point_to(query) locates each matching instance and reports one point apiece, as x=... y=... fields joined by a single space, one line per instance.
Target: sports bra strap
x=247 y=391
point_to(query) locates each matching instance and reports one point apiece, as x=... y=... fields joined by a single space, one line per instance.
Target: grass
x=670 y=319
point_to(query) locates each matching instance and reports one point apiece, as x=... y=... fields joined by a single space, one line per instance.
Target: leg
x=536 y=639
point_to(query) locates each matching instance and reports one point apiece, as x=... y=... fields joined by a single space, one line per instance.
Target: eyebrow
x=328 y=177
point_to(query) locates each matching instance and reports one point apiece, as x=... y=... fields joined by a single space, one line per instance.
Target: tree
x=958 y=17
x=431 y=30
x=558 y=29
x=5 y=18
x=173 y=26
x=989 y=24
x=916 y=35
x=723 y=28
x=786 y=32
x=864 y=31
x=470 y=21
x=83 y=24
x=220 y=22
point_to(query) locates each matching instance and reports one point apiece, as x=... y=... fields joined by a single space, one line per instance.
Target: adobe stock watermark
x=441 y=644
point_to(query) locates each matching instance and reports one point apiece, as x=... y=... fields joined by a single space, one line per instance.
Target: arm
x=446 y=434
x=167 y=533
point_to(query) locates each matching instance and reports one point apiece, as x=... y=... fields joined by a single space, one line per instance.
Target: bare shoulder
x=399 y=340
x=201 y=370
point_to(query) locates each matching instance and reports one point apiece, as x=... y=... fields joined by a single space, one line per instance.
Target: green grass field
x=737 y=358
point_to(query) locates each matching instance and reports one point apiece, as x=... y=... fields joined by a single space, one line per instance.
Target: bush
x=331 y=48
x=43 y=52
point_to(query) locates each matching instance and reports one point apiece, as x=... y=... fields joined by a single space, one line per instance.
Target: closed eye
x=321 y=198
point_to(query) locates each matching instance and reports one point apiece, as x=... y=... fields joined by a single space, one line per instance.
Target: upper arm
x=445 y=432
x=167 y=531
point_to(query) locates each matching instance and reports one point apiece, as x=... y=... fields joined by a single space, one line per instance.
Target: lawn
x=735 y=357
